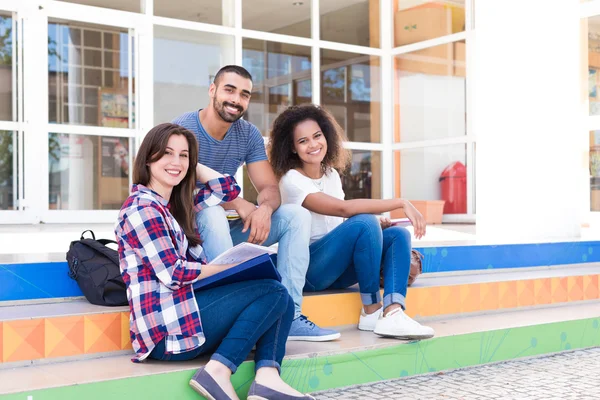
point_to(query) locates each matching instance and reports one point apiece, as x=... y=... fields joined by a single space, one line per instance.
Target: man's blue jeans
x=237 y=316
x=290 y=227
x=354 y=252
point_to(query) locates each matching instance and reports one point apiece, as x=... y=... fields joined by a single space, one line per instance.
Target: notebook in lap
x=259 y=267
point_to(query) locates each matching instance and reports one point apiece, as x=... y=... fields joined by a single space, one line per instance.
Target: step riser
x=343 y=309
x=57 y=337
x=50 y=280
x=327 y=372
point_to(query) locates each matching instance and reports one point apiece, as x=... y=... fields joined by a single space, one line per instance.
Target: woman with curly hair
x=349 y=244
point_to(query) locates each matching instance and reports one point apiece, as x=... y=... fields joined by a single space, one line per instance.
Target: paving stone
x=572 y=375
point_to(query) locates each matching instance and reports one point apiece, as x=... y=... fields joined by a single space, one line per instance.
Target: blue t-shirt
x=242 y=143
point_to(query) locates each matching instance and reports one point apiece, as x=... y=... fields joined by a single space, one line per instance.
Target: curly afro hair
x=281 y=141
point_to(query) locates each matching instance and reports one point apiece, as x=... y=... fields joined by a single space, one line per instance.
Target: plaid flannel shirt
x=159 y=268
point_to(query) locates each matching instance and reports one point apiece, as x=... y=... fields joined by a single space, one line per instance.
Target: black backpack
x=95 y=267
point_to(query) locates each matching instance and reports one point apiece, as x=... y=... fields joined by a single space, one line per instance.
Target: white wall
x=532 y=149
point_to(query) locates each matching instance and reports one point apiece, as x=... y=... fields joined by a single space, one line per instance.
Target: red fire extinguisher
x=453 y=182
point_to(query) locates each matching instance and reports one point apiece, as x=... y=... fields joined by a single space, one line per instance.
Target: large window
x=185 y=64
x=293 y=17
x=433 y=157
x=89 y=74
x=593 y=86
x=91 y=84
x=8 y=146
x=7 y=64
x=122 y=5
x=431 y=87
x=8 y=112
x=432 y=173
x=350 y=89
x=215 y=12
x=117 y=68
x=362 y=180
x=416 y=21
x=88 y=172
x=353 y=22
x=281 y=76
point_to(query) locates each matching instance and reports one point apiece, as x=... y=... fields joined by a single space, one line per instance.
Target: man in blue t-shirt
x=225 y=143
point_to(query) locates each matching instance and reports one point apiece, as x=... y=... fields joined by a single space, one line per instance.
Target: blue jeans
x=354 y=252
x=290 y=227
x=237 y=316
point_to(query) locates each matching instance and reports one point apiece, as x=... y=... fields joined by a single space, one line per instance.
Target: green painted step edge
x=319 y=373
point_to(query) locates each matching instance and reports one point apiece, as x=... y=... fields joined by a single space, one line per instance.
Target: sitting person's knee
x=401 y=233
x=211 y=216
x=367 y=219
x=295 y=215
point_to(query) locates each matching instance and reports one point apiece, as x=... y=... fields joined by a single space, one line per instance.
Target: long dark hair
x=281 y=141
x=181 y=203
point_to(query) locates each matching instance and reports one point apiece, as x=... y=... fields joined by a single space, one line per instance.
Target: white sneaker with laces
x=399 y=325
x=367 y=321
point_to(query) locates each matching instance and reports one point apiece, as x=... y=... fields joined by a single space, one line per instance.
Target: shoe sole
x=325 y=338
x=404 y=337
x=366 y=328
x=255 y=397
x=200 y=390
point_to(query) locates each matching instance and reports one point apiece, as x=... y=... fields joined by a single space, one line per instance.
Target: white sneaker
x=399 y=325
x=367 y=321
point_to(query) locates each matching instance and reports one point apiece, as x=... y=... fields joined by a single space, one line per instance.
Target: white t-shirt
x=294 y=188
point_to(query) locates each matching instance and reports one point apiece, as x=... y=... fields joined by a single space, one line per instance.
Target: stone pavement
x=570 y=375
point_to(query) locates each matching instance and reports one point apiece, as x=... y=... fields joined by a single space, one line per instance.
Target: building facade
x=82 y=81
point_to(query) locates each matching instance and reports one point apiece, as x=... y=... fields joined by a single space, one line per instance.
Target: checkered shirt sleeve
x=215 y=192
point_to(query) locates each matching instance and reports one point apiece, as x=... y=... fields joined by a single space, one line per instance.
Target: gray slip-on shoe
x=260 y=392
x=204 y=384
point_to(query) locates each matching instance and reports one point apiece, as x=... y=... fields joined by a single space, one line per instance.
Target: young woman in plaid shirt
x=161 y=257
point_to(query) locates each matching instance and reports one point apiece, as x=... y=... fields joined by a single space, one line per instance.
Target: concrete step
x=358 y=357
x=75 y=329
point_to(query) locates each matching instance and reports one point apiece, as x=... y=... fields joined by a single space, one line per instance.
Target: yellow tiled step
x=482 y=291
x=77 y=329
x=80 y=372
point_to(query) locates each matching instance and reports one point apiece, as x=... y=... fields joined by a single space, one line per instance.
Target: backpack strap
x=90 y=231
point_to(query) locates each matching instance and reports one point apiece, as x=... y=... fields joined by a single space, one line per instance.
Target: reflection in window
x=595 y=170
x=281 y=75
x=123 y=5
x=185 y=63
x=352 y=93
x=352 y=22
x=594 y=64
x=362 y=180
x=334 y=84
x=431 y=91
x=420 y=20
x=206 y=11
x=418 y=172
x=88 y=75
x=7 y=59
x=293 y=17
x=87 y=172
x=7 y=170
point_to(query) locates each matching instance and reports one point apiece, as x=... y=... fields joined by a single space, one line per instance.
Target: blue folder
x=260 y=267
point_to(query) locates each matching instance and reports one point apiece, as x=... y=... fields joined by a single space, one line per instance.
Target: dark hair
x=236 y=69
x=181 y=203
x=281 y=141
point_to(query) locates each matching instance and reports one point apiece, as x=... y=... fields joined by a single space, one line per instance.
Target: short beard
x=225 y=116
